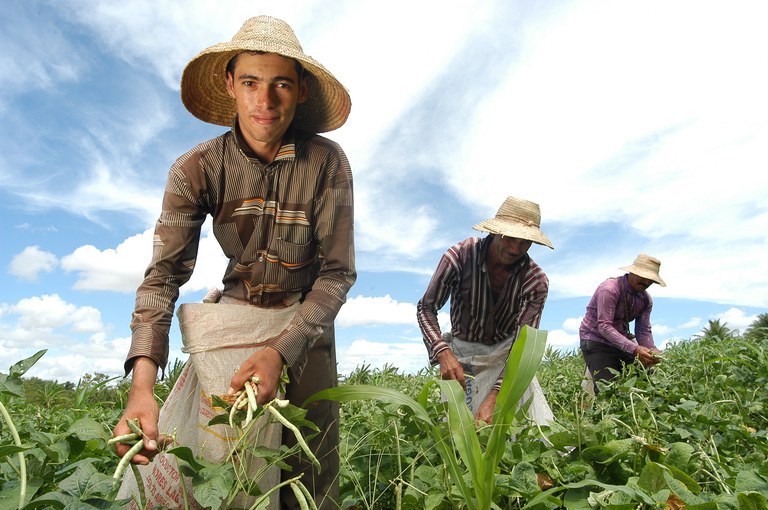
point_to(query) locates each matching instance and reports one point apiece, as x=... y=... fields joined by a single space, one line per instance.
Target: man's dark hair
x=300 y=71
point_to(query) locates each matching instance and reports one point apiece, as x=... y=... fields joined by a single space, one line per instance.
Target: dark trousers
x=319 y=374
x=600 y=356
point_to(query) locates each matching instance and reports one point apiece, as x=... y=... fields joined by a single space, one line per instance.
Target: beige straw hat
x=646 y=266
x=204 y=87
x=517 y=218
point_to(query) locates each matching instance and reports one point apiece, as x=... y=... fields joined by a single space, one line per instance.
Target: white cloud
x=563 y=340
x=572 y=324
x=736 y=319
x=117 y=269
x=74 y=336
x=363 y=310
x=408 y=357
x=50 y=312
x=32 y=261
x=72 y=367
x=693 y=322
x=121 y=269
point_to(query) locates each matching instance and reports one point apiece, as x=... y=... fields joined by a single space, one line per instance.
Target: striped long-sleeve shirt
x=462 y=276
x=286 y=228
x=612 y=307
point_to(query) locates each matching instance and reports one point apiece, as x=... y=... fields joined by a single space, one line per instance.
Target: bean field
x=692 y=434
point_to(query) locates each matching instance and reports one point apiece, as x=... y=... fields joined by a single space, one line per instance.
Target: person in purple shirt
x=606 y=342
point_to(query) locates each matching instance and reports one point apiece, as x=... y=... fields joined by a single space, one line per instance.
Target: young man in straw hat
x=606 y=342
x=495 y=289
x=280 y=198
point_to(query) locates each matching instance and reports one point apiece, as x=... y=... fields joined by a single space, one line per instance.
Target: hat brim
x=204 y=88
x=644 y=273
x=531 y=233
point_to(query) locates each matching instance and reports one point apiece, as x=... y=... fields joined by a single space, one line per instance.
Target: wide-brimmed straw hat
x=646 y=266
x=204 y=87
x=517 y=218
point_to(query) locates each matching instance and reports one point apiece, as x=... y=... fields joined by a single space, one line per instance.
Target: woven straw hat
x=517 y=218
x=204 y=87
x=646 y=266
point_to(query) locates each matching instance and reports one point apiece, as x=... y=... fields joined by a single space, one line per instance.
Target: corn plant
x=12 y=386
x=471 y=465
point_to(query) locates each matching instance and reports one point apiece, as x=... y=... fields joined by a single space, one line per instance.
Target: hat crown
x=268 y=34
x=647 y=262
x=520 y=211
x=517 y=218
x=646 y=267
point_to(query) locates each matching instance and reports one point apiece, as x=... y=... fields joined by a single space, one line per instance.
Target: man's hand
x=450 y=368
x=142 y=405
x=485 y=411
x=647 y=356
x=267 y=365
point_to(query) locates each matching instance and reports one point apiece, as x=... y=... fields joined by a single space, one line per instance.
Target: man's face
x=509 y=250
x=266 y=90
x=638 y=283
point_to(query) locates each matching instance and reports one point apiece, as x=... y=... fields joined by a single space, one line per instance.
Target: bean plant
x=691 y=433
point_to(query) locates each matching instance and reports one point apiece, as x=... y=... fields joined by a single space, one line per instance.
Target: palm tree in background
x=758 y=326
x=717 y=329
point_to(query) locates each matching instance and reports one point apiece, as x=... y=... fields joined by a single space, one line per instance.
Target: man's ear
x=304 y=89
x=231 y=85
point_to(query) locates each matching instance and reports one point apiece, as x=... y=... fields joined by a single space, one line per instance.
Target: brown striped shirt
x=461 y=275
x=286 y=228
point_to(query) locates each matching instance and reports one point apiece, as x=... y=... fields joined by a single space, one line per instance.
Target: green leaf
x=56 y=500
x=577 y=499
x=709 y=505
x=749 y=481
x=652 y=478
x=547 y=495
x=212 y=485
x=523 y=480
x=185 y=454
x=679 y=455
x=752 y=501
x=21 y=367
x=368 y=392
x=684 y=478
x=609 y=452
x=9 y=493
x=10 y=449
x=86 y=482
x=11 y=383
x=461 y=424
x=86 y=429
x=58 y=452
x=681 y=490
x=434 y=499
x=562 y=439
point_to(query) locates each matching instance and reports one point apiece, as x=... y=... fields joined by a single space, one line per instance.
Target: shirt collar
x=287 y=150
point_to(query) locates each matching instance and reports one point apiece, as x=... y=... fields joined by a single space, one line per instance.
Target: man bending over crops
x=606 y=342
x=280 y=198
x=495 y=289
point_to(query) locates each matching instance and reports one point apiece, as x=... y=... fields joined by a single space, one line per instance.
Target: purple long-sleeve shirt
x=612 y=307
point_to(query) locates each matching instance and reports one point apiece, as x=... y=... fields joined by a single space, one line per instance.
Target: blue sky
x=638 y=127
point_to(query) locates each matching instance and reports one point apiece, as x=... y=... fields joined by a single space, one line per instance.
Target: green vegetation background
x=691 y=434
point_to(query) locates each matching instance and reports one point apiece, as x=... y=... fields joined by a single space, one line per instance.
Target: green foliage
x=759 y=326
x=469 y=456
x=717 y=329
x=692 y=433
